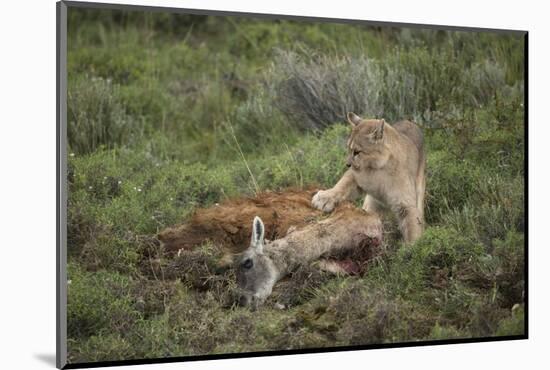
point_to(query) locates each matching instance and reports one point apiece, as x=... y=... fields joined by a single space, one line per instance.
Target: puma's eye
x=247 y=264
x=355 y=152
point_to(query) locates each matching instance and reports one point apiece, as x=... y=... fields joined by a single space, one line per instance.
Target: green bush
x=514 y=324
x=96 y=116
x=98 y=302
x=491 y=211
x=407 y=84
x=103 y=347
x=445 y=332
x=451 y=182
x=437 y=257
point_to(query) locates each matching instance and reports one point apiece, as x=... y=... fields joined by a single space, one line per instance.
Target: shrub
x=445 y=332
x=513 y=324
x=318 y=94
x=96 y=116
x=102 y=347
x=451 y=182
x=435 y=259
x=256 y=123
x=98 y=301
x=352 y=311
x=311 y=161
x=494 y=208
x=317 y=91
x=503 y=270
x=103 y=250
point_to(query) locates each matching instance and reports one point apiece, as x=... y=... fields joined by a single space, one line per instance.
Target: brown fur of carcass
x=229 y=224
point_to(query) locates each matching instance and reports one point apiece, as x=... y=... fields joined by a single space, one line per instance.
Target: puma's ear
x=258 y=232
x=379 y=132
x=353 y=119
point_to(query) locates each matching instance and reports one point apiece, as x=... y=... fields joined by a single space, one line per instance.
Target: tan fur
x=228 y=224
x=386 y=162
x=346 y=229
x=349 y=234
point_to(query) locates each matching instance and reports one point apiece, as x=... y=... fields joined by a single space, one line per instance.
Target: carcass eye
x=247 y=264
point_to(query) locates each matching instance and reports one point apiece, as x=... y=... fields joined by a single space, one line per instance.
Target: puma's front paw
x=324 y=200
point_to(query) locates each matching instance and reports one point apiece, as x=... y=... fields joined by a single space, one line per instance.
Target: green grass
x=170 y=113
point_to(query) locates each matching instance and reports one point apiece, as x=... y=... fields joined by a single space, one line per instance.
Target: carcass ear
x=379 y=132
x=353 y=119
x=258 y=233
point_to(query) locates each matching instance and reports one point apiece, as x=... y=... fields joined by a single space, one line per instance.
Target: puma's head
x=366 y=142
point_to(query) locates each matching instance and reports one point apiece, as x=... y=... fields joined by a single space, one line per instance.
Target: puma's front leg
x=345 y=189
x=371 y=204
